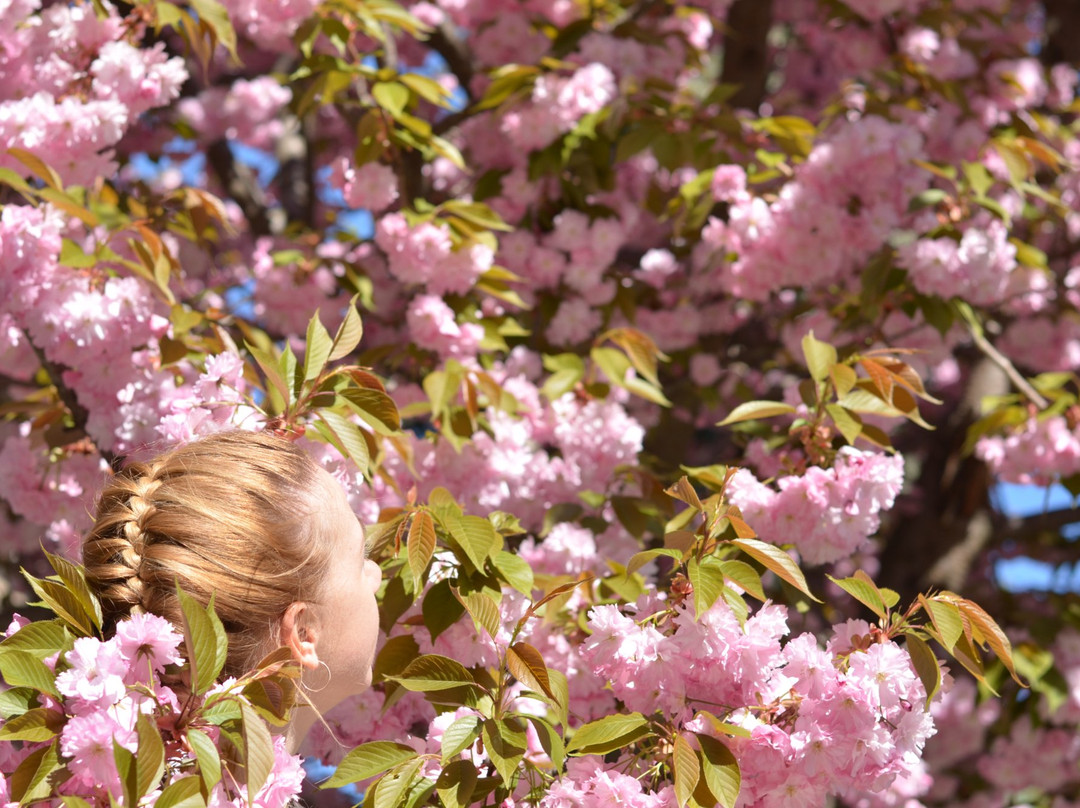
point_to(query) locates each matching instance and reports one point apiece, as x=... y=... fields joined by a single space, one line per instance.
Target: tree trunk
x=746 y=51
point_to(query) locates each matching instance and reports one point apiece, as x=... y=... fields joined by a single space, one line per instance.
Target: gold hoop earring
x=325 y=684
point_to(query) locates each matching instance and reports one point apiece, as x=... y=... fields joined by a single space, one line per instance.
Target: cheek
x=372 y=574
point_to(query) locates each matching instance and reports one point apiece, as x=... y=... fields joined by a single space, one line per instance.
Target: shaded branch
x=79 y=414
x=1063 y=32
x=241 y=184
x=446 y=42
x=295 y=178
x=746 y=51
x=1023 y=528
x=1002 y=361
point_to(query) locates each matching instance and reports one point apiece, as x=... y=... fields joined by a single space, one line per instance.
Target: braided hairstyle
x=235 y=515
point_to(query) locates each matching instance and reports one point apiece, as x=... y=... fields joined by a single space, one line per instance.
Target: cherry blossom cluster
x=50 y=59
x=843 y=201
x=1038 y=452
x=827 y=514
x=105 y=686
x=806 y=709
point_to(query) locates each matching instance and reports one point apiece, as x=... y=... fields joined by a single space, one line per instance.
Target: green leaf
x=391 y=789
x=214 y=15
x=289 y=371
x=926 y=666
x=613 y=362
x=420 y=545
x=685 y=768
x=566 y=369
x=707 y=578
x=349 y=333
x=456 y=784
x=459 y=736
x=57 y=597
x=391 y=96
x=375 y=407
x=125 y=767
x=753 y=410
x=74 y=578
x=441 y=609
x=258 y=749
x=608 y=734
x=721 y=770
x=433 y=672
x=22 y=669
x=745 y=576
x=927 y=199
x=550 y=740
x=150 y=757
x=639 y=560
x=318 y=347
x=504 y=742
x=820 y=357
x=269 y=367
x=483 y=610
x=205 y=642
x=515 y=571
x=946 y=619
x=17 y=700
x=349 y=439
x=843 y=379
x=38 y=167
x=641 y=350
x=561 y=688
x=476 y=537
x=31 y=780
x=183 y=793
x=847 y=422
x=864 y=591
x=428 y=89
x=41 y=639
x=477 y=213
x=206 y=753
x=368 y=760
x=38 y=724
x=777 y=561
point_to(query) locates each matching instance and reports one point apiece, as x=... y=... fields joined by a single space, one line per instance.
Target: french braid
x=113 y=551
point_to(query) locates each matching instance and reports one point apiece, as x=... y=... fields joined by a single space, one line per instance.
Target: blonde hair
x=231 y=515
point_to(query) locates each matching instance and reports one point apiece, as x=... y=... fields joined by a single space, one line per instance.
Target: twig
x=999 y=359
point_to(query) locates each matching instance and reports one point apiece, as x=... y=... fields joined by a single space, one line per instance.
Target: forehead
x=337 y=510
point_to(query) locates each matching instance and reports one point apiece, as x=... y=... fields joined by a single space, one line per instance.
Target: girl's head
x=252 y=520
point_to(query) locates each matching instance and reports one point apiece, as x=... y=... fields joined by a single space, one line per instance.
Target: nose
x=373 y=571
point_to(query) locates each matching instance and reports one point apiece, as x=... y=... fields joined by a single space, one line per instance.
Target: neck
x=304 y=716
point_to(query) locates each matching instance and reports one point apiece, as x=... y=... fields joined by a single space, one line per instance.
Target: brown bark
x=746 y=54
x=1063 y=32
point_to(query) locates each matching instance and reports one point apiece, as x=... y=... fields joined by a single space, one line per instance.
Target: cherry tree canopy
x=673 y=354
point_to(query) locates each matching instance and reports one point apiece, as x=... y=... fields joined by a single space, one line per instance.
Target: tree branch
x=1024 y=528
x=1063 y=32
x=242 y=185
x=445 y=42
x=746 y=51
x=79 y=413
x=1002 y=361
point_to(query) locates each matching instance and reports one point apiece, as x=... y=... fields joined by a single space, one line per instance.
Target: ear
x=300 y=632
